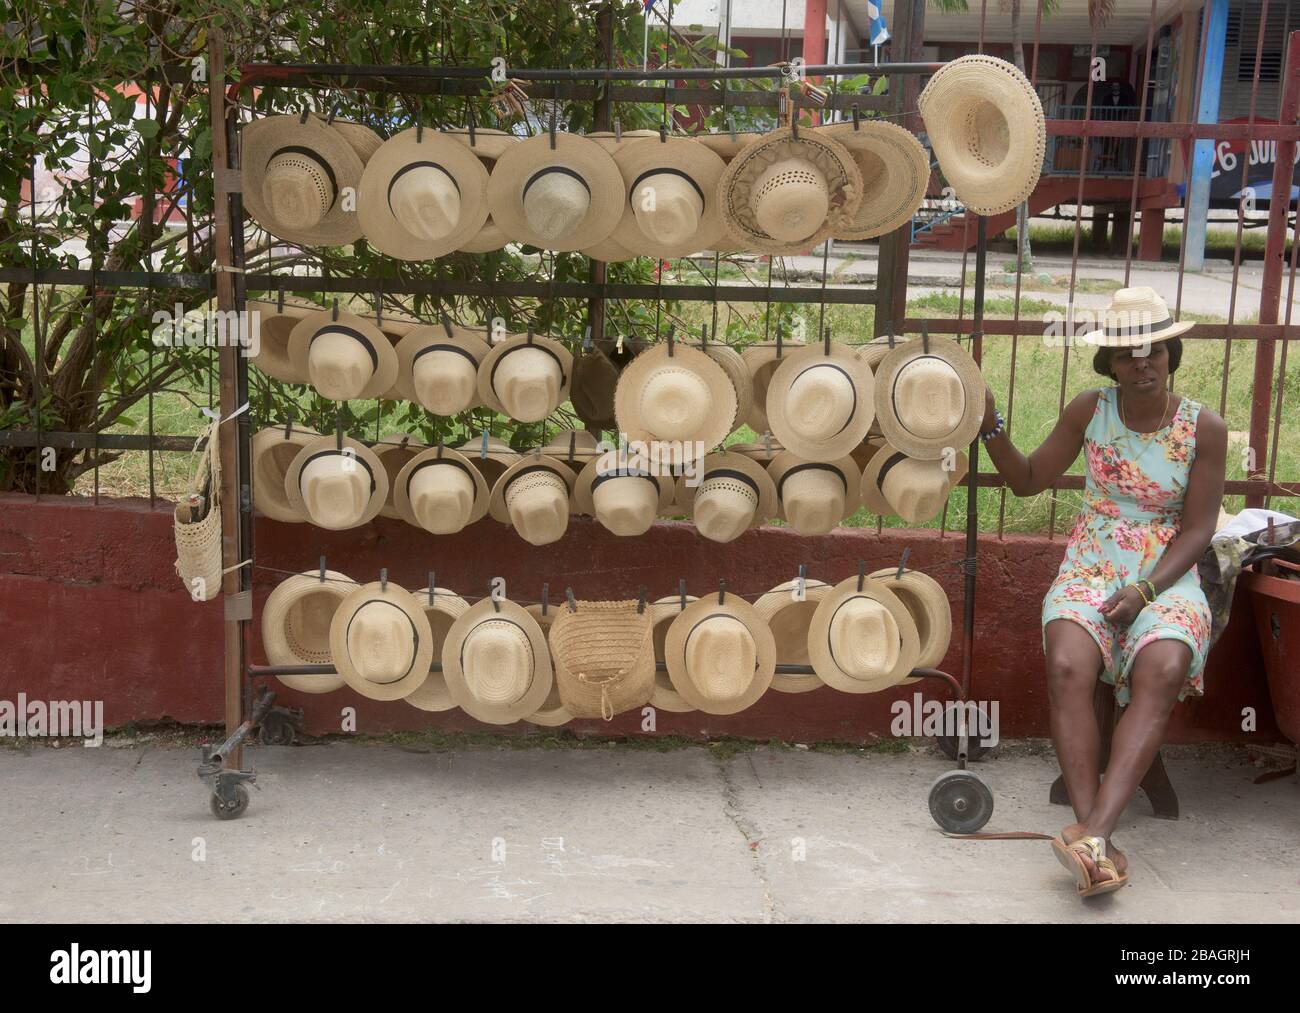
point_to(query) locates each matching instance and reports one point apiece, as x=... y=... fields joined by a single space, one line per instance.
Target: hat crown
x=338 y=365
x=674 y=401
x=527 y=380
x=445 y=382
x=538 y=504
x=813 y=501
x=864 y=638
x=335 y=490
x=626 y=504
x=929 y=397
x=497 y=660
x=297 y=190
x=1137 y=307
x=426 y=202
x=667 y=207
x=916 y=489
x=381 y=644
x=555 y=204
x=721 y=657
x=441 y=497
x=723 y=508
x=820 y=402
x=790 y=199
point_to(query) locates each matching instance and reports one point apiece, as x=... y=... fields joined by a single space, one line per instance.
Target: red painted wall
x=92 y=608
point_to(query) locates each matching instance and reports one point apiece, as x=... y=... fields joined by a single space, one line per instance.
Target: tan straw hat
x=296 y=626
x=862 y=641
x=526 y=377
x=764 y=451
x=915 y=490
x=381 y=641
x=762 y=359
x=662 y=614
x=275 y=321
x=441 y=609
x=437 y=367
x=733 y=364
x=734 y=494
x=273 y=450
x=895 y=174
x=440 y=491
x=814 y=496
x=533 y=495
x=336 y=487
x=344 y=356
x=684 y=398
x=622 y=491
x=552 y=713
x=1136 y=317
x=788 y=615
x=928 y=604
x=604 y=659
x=490 y=458
x=820 y=406
x=487 y=144
x=671 y=186
x=721 y=655
x=727 y=145
x=394 y=452
x=929 y=397
x=495 y=662
x=985 y=124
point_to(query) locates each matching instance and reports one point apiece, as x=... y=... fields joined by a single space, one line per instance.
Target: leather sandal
x=1071 y=856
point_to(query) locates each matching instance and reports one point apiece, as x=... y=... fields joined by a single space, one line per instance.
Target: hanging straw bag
x=604 y=658
x=198 y=542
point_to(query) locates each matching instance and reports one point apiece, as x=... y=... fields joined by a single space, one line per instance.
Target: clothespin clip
x=640 y=605
x=803 y=582
x=857 y=117
x=826 y=339
x=704 y=337
x=767 y=445
x=472 y=127
x=379 y=307
x=279 y=300
x=383 y=579
x=586 y=339
x=322 y=569
x=681 y=592
x=446 y=325
x=722 y=591
x=335 y=313
x=484 y=450
x=671 y=330
x=902 y=563
x=530 y=335
x=546 y=597
x=618 y=130
x=492 y=594
x=432 y=585
x=338 y=430
x=663 y=132
x=925 y=337
x=440 y=447
x=288 y=425
x=555 y=107
x=303 y=117
x=334 y=109
x=618 y=345
x=891 y=337
x=862 y=572
x=401 y=444
x=731 y=127
x=778 y=339
x=419 y=129
x=573 y=604
x=573 y=445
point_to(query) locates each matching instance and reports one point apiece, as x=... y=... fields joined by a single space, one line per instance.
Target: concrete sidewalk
x=377 y=832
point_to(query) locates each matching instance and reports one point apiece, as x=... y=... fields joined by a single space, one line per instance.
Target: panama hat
x=495 y=662
x=441 y=609
x=820 y=405
x=814 y=496
x=623 y=492
x=574 y=447
x=733 y=364
x=929 y=397
x=609 y=251
x=526 y=377
x=915 y=490
x=734 y=495
x=662 y=613
x=394 y=452
x=613 y=141
x=863 y=453
x=556 y=192
x=720 y=654
x=533 y=496
x=679 y=395
x=552 y=713
x=671 y=184
x=336 y=485
x=727 y=145
x=487 y=144
x=275 y=321
x=437 y=367
x=785 y=194
x=344 y=356
x=490 y=458
x=440 y=491
x=296 y=626
x=381 y=642
x=788 y=616
x=895 y=174
x=862 y=641
x=273 y=450
x=603 y=652
x=985 y=124
x=762 y=359
x=1136 y=317
x=487 y=239
x=928 y=604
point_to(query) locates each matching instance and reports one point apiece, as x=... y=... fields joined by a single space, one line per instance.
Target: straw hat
x=441 y=491
x=609 y=251
x=533 y=497
x=556 y=192
x=985 y=124
x=491 y=459
x=764 y=451
x=487 y=144
x=1136 y=317
x=486 y=240
x=344 y=356
x=437 y=367
x=381 y=641
x=814 y=496
x=615 y=142
x=526 y=377
x=275 y=321
x=727 y=145
x=862 y=641
x=733 y=364
x=574 y=447
x=915 y=490
x=895 y=174
x=721 y=656
x=684 y=398
x=552 y=713
x=672 y=204
x=394 y=452
x=622 y=492
x=603 y=653
x=734 y=495
x=929 y=400
x=495 y=662
x=928 y=604
x=441 y=608
x=296 y=626
x=788 y=617
x=336 y=488
x=762 y=360
x=662 y=614
x=293 y=172
x=785 y=194
x=273 y=450
x=820 y=406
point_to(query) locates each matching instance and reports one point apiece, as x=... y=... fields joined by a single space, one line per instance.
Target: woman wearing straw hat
x=1127 y=604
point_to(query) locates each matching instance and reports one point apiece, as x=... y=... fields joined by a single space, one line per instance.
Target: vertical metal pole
x=1215 y=25
x=601 y=121
x=972 y=475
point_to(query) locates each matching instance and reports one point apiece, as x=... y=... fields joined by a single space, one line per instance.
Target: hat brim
x=272 y=502
x=662 y=613
x=280 y=649
x=1100 y=339
x=497 y=502
x=873 y=497
x=675 y=652
x=365 y=457
x=727 y=145
x=385 y=372
x=487 y=239
x=792 y=650
x=406 y=603
x=274 y=325
x=715 y=424
x=890 y=198
x=432 y=695
x=726 y=460
x=394 y=452
x=584 y=502
x=972 y=382
x=487 y=143
x=926 y=600
x=679 y=156
x=759 y=359
x=433 y=337
x=552 y=713
x=788 y=462
x=822 y=658
x=487 y=367
x=733 y=364
x=609 y=251
x=453 y=670
x=853 y=361
x=401 y=494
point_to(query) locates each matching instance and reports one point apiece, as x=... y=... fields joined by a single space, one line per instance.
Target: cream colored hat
x=764 y=451
x=814 y=496
x=727 y=145
x=296 y=626
x=394 y=452
x=273 y=451
x=820 y=406
x=496 y=663
x=928 y=604
x=574 y=447
x=733 y=364
x=623 y=492
x=491 y=459
x=783 y=194
x=336 y=488
x=441 y=609
x=275 y=322
x=381 y=641
x=662 y=614
x=721 y=656
x=1136 y=317
x=672 y=197
x=440 y=491
x=762 y=360
x=929 y=397
x=734 y=494
x=437 y=367
x=685 y=398
x=788 y=615
x=615 y=142
x=556 y=192
x=609 y=251
x=533 y=497
x=895 y=174
x=552 y=713
x=344 y=356
x=915 y=490
x=985 y=124
x=862 y=641
x=488 y=145
x=487 y=239
x=526 y=377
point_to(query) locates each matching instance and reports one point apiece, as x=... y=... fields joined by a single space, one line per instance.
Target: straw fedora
x=486 y=240
x=552 y=713
x=487 y=144
x=915 y=490
x=672 y=208
x=929 y=397
x=394 y=452
x=820 y=405
x=895 y=174
x=727 y=145
x=273 y=450
x=556 y=192
x=381 y=641
x=574 y=447
x=336 y=486
x=678 y=395
x=734 y=495
x=785 y=194
x=733 y=364
x=603 y=653
x=1136 y=317
x=986 y=126
x=928 y=604
x=662 y=613
x=533 y=495
x=613 y=141
x=440 y=491
x=437 y=367
x=490 y=457
x=609 y=251
x=496 y=663
x=788 y=616
x=526 y=377
x=441 y=608
x=814 y=496
x=296 y=626
x=762 y=359
x=622 y=492
x=720 y=655
x=862 y=641
x=275 y=322
x=344 y=356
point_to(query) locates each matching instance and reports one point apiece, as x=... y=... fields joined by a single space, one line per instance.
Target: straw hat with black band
x=1136 y=317
x=437 y=367
x=814 y=496
x=526 y=377
x=720 y=654
x=533 y=496
x=819 y=401
x=441 y=608
x=734 y=494
x=671 y=185
x=662 y=614
x=929 y=397
x=552 y=713
x=895 y=174
x=490 y=457
x=762 y=359
x=296 y=626
x=336 y=484
x=733 y=364
x=862 y=639
x=381 y=641
x=487 y=144
x=622 y=492
x=496 y=663
x=394 y=452
x=343 y=355
x=675 y=394
x=928 y=604
x=273 y=450
x=915 y=490
x=440 y=491
x=275 y=321
x=788 y=611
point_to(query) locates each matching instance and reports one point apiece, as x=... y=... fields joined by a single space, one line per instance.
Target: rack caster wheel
x=960 y=801
x=951 y=744
x=233 y=808
x=279 y=727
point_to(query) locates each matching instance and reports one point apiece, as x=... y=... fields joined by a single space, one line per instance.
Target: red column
x=814 y=32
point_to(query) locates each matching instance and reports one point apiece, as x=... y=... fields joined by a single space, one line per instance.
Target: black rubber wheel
x=276 y=730
x=950 y=743
x=230 y=810
x=960 y=801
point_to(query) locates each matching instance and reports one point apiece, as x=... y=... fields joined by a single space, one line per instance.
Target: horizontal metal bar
x=1028 y=327
x=255 y=671
x=1175 y=131
x=88 y=441
x=1232 y=487
x=106 y=279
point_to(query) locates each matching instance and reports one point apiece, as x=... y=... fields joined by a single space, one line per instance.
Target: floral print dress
x=1133 y=503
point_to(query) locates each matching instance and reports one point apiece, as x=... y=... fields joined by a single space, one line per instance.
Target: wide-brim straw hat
x=343 y=356
x=662 y=614
x=671 y=185
x=684 y=398
x=275 y=322
x=394 y=451
x=437 y=368
x=928 y=604
x=336 y=488
x=788 y=616
x=820 y=406
x=762 y=359
x=720 y=655
x=734 y=494
x=986 y=127
x=552 y=713
x=294 y=170
x=609 y=251
x=895 y=174
x=441 y=491
x=574 y=447
x=381 y=641
x=929 y=397
x=422 y=195
x=785 y=193
x=733 y=364
x=813 y=497
x=622 y=492
x=490 y=460
x=1136 y=317
x=496 y=663
x=441 y=608
x=914 y=489
x=727 y=145
x=534 y=497
x=613 y=141
x=488 y=143
x=862 y=641
x=486 y=239
x=273 y=450
x=570 y=185
x=526 y=376
x=296 y=626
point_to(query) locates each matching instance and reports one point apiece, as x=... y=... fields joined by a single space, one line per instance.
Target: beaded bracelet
x=1142 y=592
x=1000 y=427
x=1150 y=587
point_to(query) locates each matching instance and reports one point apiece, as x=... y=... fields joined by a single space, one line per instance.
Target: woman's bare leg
x=1073 y=666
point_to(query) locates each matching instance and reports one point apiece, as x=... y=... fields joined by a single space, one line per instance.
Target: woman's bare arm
x=1201 y=504
x=1028 y=475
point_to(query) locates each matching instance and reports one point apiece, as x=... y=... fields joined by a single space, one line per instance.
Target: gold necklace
x=1145 y=436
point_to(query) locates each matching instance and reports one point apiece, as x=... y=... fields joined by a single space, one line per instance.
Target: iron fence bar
x=1033 y=328
x=95 y=441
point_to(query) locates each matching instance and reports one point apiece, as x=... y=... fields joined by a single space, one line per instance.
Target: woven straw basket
x=198 y=543
x=604 y=658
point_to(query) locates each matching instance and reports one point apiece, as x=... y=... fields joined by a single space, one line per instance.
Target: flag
x=877 y=30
